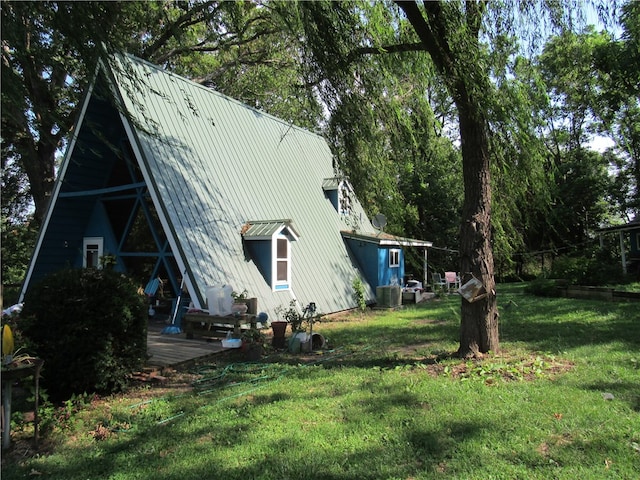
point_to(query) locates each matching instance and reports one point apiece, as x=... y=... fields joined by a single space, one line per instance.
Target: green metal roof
x=330 y=183
x=212 y=164
x=263 y=230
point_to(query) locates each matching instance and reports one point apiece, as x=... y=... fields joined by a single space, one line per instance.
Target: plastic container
x=219 y=300
x=231 y=342
x=239 y=308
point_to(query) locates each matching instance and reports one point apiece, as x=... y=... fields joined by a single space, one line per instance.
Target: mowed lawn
x=384 y=400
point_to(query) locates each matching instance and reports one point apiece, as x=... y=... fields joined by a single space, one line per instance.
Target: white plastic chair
x=437 y=281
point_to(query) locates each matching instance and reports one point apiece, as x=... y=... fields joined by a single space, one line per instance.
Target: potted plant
x=279 y=329
x=301 y=340
x=252 y=343
x=243 y=298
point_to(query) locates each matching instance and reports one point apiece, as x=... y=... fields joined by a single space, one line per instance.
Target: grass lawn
x=384 y=400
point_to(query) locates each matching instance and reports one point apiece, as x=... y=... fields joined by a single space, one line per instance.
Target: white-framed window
x=394 y=257
x=344 y=198
x=92 y=250
x=282 y=263
x=269 y=243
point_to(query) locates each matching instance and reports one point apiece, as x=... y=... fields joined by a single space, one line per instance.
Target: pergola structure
x=633 y=230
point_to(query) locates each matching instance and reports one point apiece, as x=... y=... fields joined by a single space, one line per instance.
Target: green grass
x=386 y=401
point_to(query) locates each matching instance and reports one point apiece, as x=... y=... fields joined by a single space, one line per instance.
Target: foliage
x=543 y=287
x=617 y=64
x=358 y=293
x=50 y=48
x=392 y=89
x=89 y=326
x=16 y=248
x=240 y=296
x=597 y=269
x=299 y=321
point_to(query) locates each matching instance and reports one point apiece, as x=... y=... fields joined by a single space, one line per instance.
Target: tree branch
x=189 y=18
x=435 y=45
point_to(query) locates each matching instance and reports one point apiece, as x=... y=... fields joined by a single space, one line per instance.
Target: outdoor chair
x=437 y=281
x=452 y=279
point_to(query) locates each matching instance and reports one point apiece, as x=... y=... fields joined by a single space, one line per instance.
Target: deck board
x=174 y=349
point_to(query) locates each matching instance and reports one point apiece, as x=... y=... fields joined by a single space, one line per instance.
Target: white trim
x=394 y=252
x=276 y=284
x=99 y=250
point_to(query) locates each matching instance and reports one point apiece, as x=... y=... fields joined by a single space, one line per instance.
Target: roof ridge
x=210 y=90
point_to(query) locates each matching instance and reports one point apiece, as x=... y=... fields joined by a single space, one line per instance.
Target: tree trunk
x=457 y=58
x=39 y=167
x=479 y=319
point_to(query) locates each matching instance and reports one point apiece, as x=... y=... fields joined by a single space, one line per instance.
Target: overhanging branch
x=398 y=48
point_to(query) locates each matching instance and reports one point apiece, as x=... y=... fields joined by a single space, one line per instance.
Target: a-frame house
x=166 y=178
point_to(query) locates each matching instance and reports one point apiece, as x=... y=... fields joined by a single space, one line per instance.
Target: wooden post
x=623 y=253
x=6 y=415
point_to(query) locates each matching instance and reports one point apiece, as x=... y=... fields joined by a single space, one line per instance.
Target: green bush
x=89 y=326
x=358 y=294
x=572 y=269
x=598 y=268
x=542 y=287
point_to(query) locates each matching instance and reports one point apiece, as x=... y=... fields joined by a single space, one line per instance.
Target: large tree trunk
x=39 y=167
x=449 y=32
x=479 y=319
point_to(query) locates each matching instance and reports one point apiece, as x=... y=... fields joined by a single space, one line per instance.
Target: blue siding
x=260 y=252
x=366 y=254
x=332 y=195
x=99 y=226
x=70 y=220
x=389 y=275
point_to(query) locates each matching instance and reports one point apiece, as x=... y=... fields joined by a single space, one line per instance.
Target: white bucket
x=297 y=340
x=219 y=300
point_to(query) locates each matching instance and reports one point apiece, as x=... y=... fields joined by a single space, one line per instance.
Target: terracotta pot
x=279 y=331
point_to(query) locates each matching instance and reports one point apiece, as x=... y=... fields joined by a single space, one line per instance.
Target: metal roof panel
x=212 y=163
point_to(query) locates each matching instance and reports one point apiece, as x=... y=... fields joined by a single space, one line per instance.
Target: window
x=344 y=198
x=282 y=263
x=92 y=251
x=394 y=257
x=340 y=193
x=269 y=244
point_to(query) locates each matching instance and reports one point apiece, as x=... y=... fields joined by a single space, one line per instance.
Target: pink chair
x=452 y=278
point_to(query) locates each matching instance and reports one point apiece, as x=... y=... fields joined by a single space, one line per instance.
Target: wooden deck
x=170 y=350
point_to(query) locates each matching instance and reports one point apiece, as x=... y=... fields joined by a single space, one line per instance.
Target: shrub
x=599 y=268
x=89 y=326
x=571 y=269
x=358 y=294
x=542 y=287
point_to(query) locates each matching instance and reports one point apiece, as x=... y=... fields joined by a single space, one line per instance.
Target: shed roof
x=632 y=225
x=386 y=239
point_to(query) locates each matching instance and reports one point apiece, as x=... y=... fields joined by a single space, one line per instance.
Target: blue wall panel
x=366 y=255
